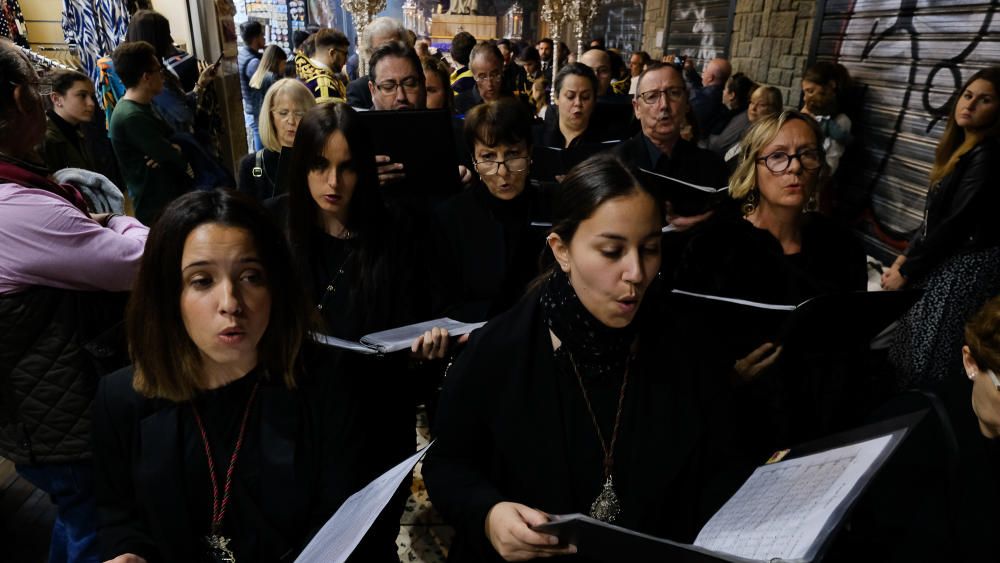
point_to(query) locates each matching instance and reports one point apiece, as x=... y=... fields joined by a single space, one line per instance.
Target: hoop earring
x=750 y=203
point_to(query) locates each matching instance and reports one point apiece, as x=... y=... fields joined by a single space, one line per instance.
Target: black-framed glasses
x=650 y=97
x=778 y=161
x=491 y=167
x=491 y=77
x=410 y=84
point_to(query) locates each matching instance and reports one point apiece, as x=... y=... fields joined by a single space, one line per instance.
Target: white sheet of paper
x=342 y=533
x=784 y=508
x=396 y=339
x=341 y=343
x=771 y=306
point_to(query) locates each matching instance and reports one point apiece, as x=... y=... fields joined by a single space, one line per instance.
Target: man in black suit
x=379 y=32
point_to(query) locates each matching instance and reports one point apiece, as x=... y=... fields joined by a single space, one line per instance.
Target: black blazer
x=306 y=441
x=358 y=94
x=501 y=436
x=960 y=213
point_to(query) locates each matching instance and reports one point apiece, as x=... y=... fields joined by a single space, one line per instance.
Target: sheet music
x=783 y=509
x=342 y=533
x=771 y=306
x=706 y=189
x=401 y=338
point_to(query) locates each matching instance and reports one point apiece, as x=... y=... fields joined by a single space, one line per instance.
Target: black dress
x=299 y=461
x=513 y=426
x=490 y=249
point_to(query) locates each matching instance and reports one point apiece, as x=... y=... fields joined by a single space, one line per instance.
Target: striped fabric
x=95 y=27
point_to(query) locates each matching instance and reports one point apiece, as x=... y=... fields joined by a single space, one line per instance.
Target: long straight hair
x=270 y=62
x=367 y=217
x=953 y=142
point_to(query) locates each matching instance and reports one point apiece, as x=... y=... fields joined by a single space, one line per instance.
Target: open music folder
x=787 y=511
x=687 y=199
x=396 y=339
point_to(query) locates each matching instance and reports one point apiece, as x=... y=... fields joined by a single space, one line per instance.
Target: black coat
x=960 y=213
x=358 y=94
x=491 y=250
x=688 y=162
x=298 y=463
x=273 y=177
x=512 y=427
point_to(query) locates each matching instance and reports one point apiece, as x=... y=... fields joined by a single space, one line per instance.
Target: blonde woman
x=270 y=69
x=284 y=104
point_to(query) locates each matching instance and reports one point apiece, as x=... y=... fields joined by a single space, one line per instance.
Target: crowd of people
x=160 y=374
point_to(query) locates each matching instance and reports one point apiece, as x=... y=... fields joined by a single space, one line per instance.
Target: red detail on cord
x=219 y=509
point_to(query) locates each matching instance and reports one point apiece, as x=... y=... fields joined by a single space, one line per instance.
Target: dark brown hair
x=132 y=60
x=982 y=336
x=167 y=362
x=153 y=28
x=948 y=149
x=64 y=79
x=506 y=121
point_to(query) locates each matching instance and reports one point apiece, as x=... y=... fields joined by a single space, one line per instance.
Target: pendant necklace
x=606 y=507
x=217 y=544
x=331 y=287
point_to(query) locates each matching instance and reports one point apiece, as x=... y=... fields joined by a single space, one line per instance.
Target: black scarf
x=597 y=349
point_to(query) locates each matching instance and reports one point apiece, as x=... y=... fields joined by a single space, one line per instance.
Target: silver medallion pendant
x=218 y=549
x=606 y=506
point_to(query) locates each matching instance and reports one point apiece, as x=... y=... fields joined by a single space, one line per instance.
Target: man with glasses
x=154 y=170
x=486 y=65
x=661 y=107
x=322 y=71
x=379 y=32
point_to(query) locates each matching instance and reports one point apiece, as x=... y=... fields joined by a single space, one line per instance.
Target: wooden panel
x=911 y=55
x=447 y=25
x=42 y=10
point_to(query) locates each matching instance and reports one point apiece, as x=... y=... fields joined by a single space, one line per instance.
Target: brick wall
x=770 y=42
x=654 y=21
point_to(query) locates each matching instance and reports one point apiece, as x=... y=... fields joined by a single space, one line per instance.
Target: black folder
x=605 y=542
x=423 y=141
x=832 y=321
x=685 y=198
x=549 y=162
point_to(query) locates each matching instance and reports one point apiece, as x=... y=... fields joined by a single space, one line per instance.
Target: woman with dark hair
x=559 y=405
x=736 y=97
x=823 y=87
x=73 y=104
x=955 y=255
x=491 y=246
x=576 y=98
x=221 y=439
x=363 y=271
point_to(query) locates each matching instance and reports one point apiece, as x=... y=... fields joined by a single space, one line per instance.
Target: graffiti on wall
x=700 y=26
x=912 y=62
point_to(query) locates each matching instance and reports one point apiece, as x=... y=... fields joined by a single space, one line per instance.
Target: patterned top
x=321 y=81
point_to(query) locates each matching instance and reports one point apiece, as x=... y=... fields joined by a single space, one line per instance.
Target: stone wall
x=653 y=26
x=770 y=42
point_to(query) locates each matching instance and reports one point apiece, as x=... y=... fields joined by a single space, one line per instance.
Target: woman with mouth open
x=229 y=436
x=491 y=246
x=562 y=404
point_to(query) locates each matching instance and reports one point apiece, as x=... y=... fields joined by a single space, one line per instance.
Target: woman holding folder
x=364 y=271
x=572 y=401
x=222 y=440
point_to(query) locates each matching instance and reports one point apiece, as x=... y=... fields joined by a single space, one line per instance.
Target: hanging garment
x=96 y=27
x=12 y=22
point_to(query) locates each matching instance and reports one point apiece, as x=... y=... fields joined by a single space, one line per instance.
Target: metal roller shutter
x=911 y=55
x=620 y=24
x=699 y=29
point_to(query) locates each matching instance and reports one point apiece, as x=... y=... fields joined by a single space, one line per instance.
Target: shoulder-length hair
x=269 y=62
x=759 y=135
x=433 y=65
x=153 y=28
x=952 y=144
x=367 y=216
x=300 y=96
x=167 y=362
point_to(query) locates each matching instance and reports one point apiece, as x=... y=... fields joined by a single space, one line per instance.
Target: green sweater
x=138 y=134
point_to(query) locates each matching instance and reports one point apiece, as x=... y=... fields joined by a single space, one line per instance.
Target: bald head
x=600 y=62
x=716 y=72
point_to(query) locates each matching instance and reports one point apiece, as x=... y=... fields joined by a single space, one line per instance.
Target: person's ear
x=560 y=250
x=22 y=99
x=971 y=367
x=55 y=98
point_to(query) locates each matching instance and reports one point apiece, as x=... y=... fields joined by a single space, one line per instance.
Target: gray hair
x=384 y=26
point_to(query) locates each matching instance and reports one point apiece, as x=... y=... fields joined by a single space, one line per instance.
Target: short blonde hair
x=300 y=96
x=744 y=178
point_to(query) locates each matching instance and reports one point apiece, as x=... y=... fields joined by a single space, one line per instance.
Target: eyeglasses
x=810 y=159
x=284 y=114
x=651 y=97
x=410 y=84
x=492 y=77
x=491 y=167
